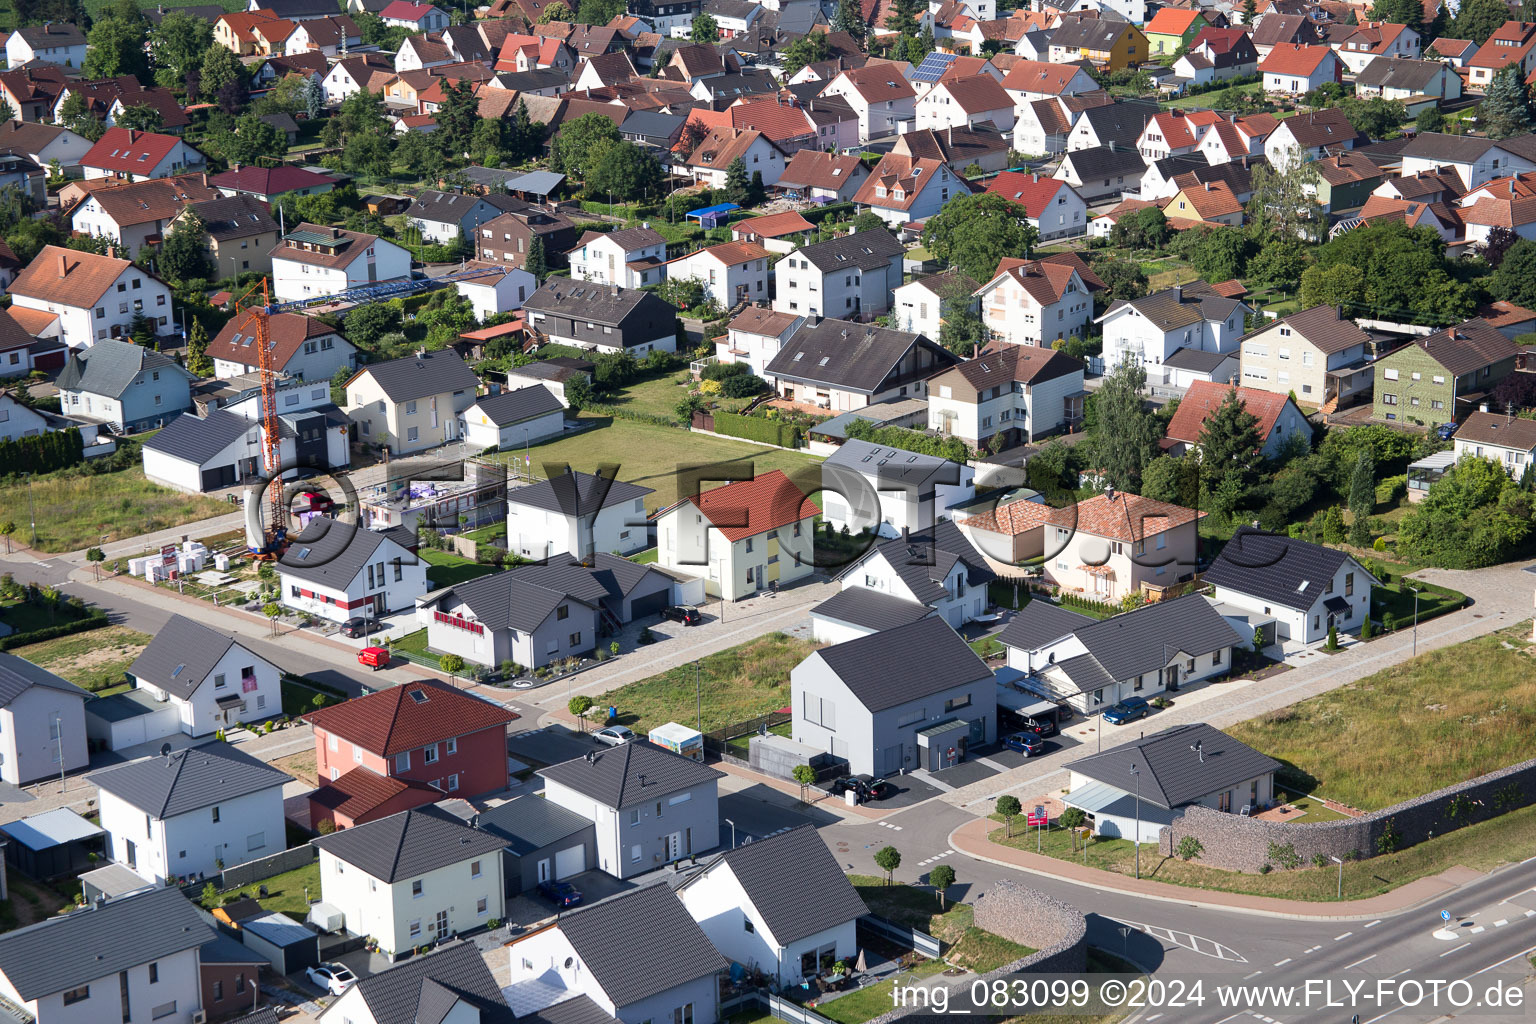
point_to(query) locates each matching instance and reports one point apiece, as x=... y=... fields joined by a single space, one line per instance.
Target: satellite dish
x=165 y=750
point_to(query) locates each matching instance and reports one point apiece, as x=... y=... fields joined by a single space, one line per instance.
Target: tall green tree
x=903 y=18
x=736 y=183
x=1125 y=279
x=808 y=49
x=627 y=172
x=1230 y=454
x=1339 y=285
x=219 y=70
x=573 y=148
x=1515 y=280
x=1478 y=19
x=314 y=98
x=599 y=12
x=537 y=262
x=1123 y=432
x=1284 y=201
x=705 y=29
x=975 y=232
x=197 y=350
x=1474 y=516
x=1402 y=12
x=184 y=253
x=1507 y=110
x=849 y=18
x=1362 y=499
x=456 y=118
x=177 y=46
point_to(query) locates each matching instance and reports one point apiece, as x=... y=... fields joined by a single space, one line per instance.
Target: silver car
x=614 y=736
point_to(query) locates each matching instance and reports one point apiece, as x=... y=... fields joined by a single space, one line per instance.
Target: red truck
x=374 y=657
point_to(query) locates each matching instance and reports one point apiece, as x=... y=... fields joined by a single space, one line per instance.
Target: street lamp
x=731 y=823
x=1340 y=863
x=1415 y=620
x=698 y=692
x=1137 y=837
x=31 y=511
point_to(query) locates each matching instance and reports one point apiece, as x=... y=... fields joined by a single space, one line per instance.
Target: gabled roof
x=577 y=493
x=894 y=666
x=421 y=376
x=630 y=774
x=18 y=675
x=871 y=609
x=1203 y=399
x=1119 y=123
x=129 y=151
x=1466 y=347
x=591 y=302
x=871 y=249
x=1104 y=161
x=408 y=992
x=1276 y=569
x=69 y=277
x=234 y=217
x=977 y=94
x=794 y=882
x=408 y=716
x=525 y=596
x=1173 y=308
x=530 y=823
x=51 y=34
x=361 y=791
x=1039 y=623
x=1400 y=73
x=748 y=508
x=810 y=168
x=332 y=553
x=1172 y=771
x=189 y=780
x=522 y=404
x=1025 y=364
x=154 y=199
x=1295 y=59
x=1034 y=193
x=878 y=83
x=286 y=333
x=1327 y=127
x=1145 y=640
x=184 y=652
x=1171 y=21
x=924 y=560
x=856 y=357
x=408 y=844
x=110 y=366
x=1503 y=431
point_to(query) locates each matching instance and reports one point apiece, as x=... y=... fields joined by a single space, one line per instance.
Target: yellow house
x=411 y=404
x=237 y=32
x=1171 y=28
x=1212 y=202
x=744 y=537
x=1111 y=45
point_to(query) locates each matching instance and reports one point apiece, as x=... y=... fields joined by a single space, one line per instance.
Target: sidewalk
x=971 y=840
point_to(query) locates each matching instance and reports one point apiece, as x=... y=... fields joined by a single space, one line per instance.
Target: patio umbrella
x=861 y=967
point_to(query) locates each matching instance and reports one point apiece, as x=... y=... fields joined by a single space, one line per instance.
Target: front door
x=1173 y=679
x=674 y=844
x=133 y=853
x=544 y=870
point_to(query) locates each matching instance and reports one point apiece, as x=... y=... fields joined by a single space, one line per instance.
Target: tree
x=177 y=45
x=1230 y=453
x=184 y=253
x=1072 y=819
x=1515 y=280
x=1124 y=433
x=578 y=392
x=919 y=47
x=599 y=12
x=1279 y=263
x=1402 y=12
x=556 y=11
x=1250 y=13
x=903 y=17
x=1175 y=480
x=536 y=263
x=141 y=329
x=1008 y=806
x=941 y=877
x=369 y=154
x=962 y=332
x=736 y=182
x=115 y=46
x=1506 y=109
x=627 y=172
x=1218 y=254
x=456 y=119
x=1284 y=201
x=808 y=49
x=453 y=665
x=1338 y=285
x=7 y=528
x=197 y=350
x=339 y=384
x=573 y=148
x=578 y=706
x=1362 y=499
x=272 y=610
x=1144 y=229
x=95 y=556
x=1429 y=120
x=705 y=29
x=314 y=98
x=1478 y=19
x=140 y=117
x=805 y=775
x=1474 y=516
x=219 y=69
x=1376 y=117
x=7 y=112
x=849 y=18
x=1124 y=278
x=888 y=859
x=975 y=232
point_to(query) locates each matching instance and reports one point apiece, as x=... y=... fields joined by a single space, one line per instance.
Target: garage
x=650 y=604
x=572 y=861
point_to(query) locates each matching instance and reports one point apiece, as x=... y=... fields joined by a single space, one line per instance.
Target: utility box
x=679 y=739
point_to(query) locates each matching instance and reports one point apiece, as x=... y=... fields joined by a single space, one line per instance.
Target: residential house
x=603 y=69
x=1276 y=29
x=310 y=65
x=42 y=722
x=1150 y=329
x=1304 y=589
x=1020 y=393
x=1508 y=203
x=581 y=513
x=1408 y=80
x=185 y=815
x=1297 y=69
x=1216 y=55
x=1172 y=29
x=301 y=347
x=1210 y=203
x=135 y=215
x=550 y=373
x=963 y=102
x=1475 y=160
x=629 y=257
x=817 y=175
x=1109 y=44
x=843 y=365
x=1052 y=207
x=412 y=879
x=1456 y=52
x=755 y=336
x=1309 y=136
x=33 y=91
x=313 y=260
x=106 y=98
x=782 y=903
x=1345 y=181
x=577 y=965
x=1358 y=45
x=731 y=272
x=445 y=217
x=1175 y=132
x=904 y=190
x=889 y=490
x=1318 y=354
x=1102 y=171
x=651 y=806
x=269 y=184
x=1513 y=42
x=881 y=97
x=1506 y=439
x=496 y=291
x=742 y=537
x=123 y=385
x=330 y=37
x=256 y=32
x=712 y=158
x=1442 y=377
x=513 y=418
x=1138 y=789
x=1278 y=418
x=1036 y=302
x=366 y=72
x=1043 y=126
x=241 y=233
x=1030 y=80
x=911 y=697
x=324 y=570
x=777 y=232
x=850 y=275
x=921 y=305
x=403 y=747
x=132 y=155
x=52 y=42
x=1118 y=124
x=133 y=958
x=453 y=981
x=228 y=974
x=1441 y=218
x=545 y=842
x=937 y=568
x=213 y=680
x=602 y=318
x=43 y=144
x=414 y=402
x=505 y=240
x=416 y=17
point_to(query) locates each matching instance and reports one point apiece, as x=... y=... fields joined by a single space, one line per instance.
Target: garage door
x=570 y=862
x=651 y=604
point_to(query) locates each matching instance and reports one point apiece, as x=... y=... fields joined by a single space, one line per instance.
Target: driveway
x=551 y=744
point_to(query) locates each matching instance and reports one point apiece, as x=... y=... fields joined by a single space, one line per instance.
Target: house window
x=746 y=924
x=453 y=745
x=154 y=973
x=482 y=907
x=955 y=703
x=1216 y=658
x=1349 y=584
x=215 y=815
x=402 y=761
x=429 y=754
x=415 y=928
x=255 y=841
x=634 y=816
x=634 y=853
x=563 y=612
x=416 y=889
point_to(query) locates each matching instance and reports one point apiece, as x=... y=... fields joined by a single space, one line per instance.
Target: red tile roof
x=1203 y=398
x=269 y=181
x=748 y=508
x=360 y=791
x=1294 y=59
x=404 y=10
x=129 y=151
x=1122 y=517
x=775 y=225
x=389 y=721
x=1030 y=191
x=1171 y=21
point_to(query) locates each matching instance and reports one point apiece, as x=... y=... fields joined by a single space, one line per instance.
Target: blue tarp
x=712 y=215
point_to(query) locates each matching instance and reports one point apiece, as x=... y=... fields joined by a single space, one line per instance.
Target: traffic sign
x=1445 y=915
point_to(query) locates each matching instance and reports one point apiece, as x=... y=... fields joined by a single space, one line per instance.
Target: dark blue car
x=1128 y=710
x=561 y=894
x=1027 y=743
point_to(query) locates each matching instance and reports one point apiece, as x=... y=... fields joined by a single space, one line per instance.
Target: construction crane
x=253 y=311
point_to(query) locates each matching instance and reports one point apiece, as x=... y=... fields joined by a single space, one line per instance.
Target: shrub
x=1284 y=855
x=1388 y=623
x=1190 y=848
x=1265 y=868
x=756 y=428
x=1379 y=544
x=743 y=385
x=1389 y=840
x=720 y=371
x=1319 y=860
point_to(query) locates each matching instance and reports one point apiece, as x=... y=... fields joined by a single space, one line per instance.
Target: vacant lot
x=74 y=512
x=94 y=660
x=1446 y=716
x=446 y=568
x=736 y=684
x=651 y=456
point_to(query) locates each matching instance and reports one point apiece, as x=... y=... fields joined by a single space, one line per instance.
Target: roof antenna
x=165 y=752
x=1199 y=748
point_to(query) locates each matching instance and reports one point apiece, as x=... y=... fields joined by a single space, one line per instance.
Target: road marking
x=1530 y=913
x=1357 y=963
x=1480 y=970
x=1373 y=924
x=1186 y=940
x=1448 y=952
x=1346 y=935
x=1153 y=1018
x=1287 y=960
x=1478 y=930
x=1255 y=974
x=1405 y=970
x=1501 y=923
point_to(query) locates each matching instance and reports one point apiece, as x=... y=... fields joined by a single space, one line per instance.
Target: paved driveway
x=550 y=745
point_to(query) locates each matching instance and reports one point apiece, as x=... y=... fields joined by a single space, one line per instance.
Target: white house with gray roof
x=412 y=403
x=581 y=513
x=123 y=385
x=412 y=879
x=841 y=277
x=602 y=318
x=842 y=365
x=871 y=487
x=780 y=904
x=453 y=985
x=629 y=257
x=443 y=217
x=191 y=813
x=337 y=570
x=132 y=959
x=907 y=698
x=1149 y=330
x=212 y=680
x=938 y=568
x=526 y=416
x=1303 y=589
x=857 y=611
x=42 y=722
x=651 y=806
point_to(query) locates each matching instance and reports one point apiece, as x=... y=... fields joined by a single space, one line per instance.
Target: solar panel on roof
x=933 y=67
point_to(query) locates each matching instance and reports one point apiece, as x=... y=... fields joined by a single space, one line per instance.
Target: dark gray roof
x=432 y=373
x=467 y=43
x=236 y=216
x=1276 y=569
x=612 y=776
x=604 y=937
x=408 y=992
x=1173 y=774
x=1400 y=73
x=1171 y=166
x=298 y=10
x=844 y=354
x=225 y=950
x=17 y=676
x=903 y=664
x=181 y=655
x=795 y=883
x=652 y=124
x=867 y=250
x=453 y=207
x=522 y=598
x=523 y=404
x=924 y=559
x=332 y=553
x=604 y=305
x=260 y=1015
x=531 y=81
x=1448 y=148
x=51 y=34
x=109 y=367
x=871 y=609
x=1105 y=162
x=188 y=780
x=196 y=439
x=1197 y=360
x=893 y=467
x=1121 y=123
x=531 y=823
x=575 y=493
x=1040 y=622
x=1145 y=640
x=581 y=1010
x=408 y=844
x=90 y=944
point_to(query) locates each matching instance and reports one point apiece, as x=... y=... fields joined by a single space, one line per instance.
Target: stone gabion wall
x=1236 y=843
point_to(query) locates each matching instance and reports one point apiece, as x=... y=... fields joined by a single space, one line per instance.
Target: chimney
x=63 y=265
x=1339 y=310
x=133 y=134
x=1207 y=186
x=205 y=179
x=1482 y=407
x=111 y=252
x=1178 y=293
x=1035 y=177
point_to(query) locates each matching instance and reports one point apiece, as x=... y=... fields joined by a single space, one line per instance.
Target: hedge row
x=42 y=453
x=756 y=428
x=625 y=413
x=94 y=619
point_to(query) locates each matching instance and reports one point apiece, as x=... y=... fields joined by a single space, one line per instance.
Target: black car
x=561 y=894
x=687 y=616
x=356 y=627
x=867 y=787
x=1043 y=726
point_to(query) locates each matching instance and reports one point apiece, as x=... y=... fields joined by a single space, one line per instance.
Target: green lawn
x=871 y=1002
x=1312 y=810
x=659 y=397
x=414 y=643
x=1397 y=600
x=288 y=893
x=986 y=646
x=737 y=684
x=95 y=660
x=1445 y=716
x=75 y=511
x=1204 y=100
x=299 y=699
x=486 y=534
x=646 y=557
x=447 y=568
x=652 y=456
x=964 y=944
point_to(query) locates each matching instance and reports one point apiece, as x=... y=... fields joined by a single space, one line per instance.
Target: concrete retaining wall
x=1236 y=843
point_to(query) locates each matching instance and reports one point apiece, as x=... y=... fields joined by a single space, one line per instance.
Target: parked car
x=614 y=736
x=1043 y=726
x=355 y=628
x=1445 y=431
x=561 y=894
x=1027 y=743
x=374 y=657
x=333 y=977
x=687 y=616
x=867 y=787
x=1128 y=710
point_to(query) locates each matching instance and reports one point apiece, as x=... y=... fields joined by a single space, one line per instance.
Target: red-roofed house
x=416 y=17
x=1501 y=203
x=1296 y=69
x=903 y=190
x=730 y=272
x=1174 y=132
x=301 y=347
x=1278 y=416
x=817 y=175
x=1035 y=302
x=1172 y=27
x=963 y=102
x=777 y=232
x=1053 y=207
x=414 y=743
x=743 y=537
x=1358 y=45
x=127 y=153
x=268 y=184
x=1513 y=42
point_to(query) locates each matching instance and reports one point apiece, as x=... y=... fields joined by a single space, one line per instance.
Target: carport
x=54 y=843
x=1114 y=812
x=280 y=940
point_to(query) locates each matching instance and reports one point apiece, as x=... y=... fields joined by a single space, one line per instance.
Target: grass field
x=1446 y=716
x=74 y=512
x=737 y=684
x=1312 y=810
x=287 y=893
x=94 y=660
x=446 y=568
x=1204 y=100
x=414 y=643
x=964 y=944
x=659 y=397
x=651 y=456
